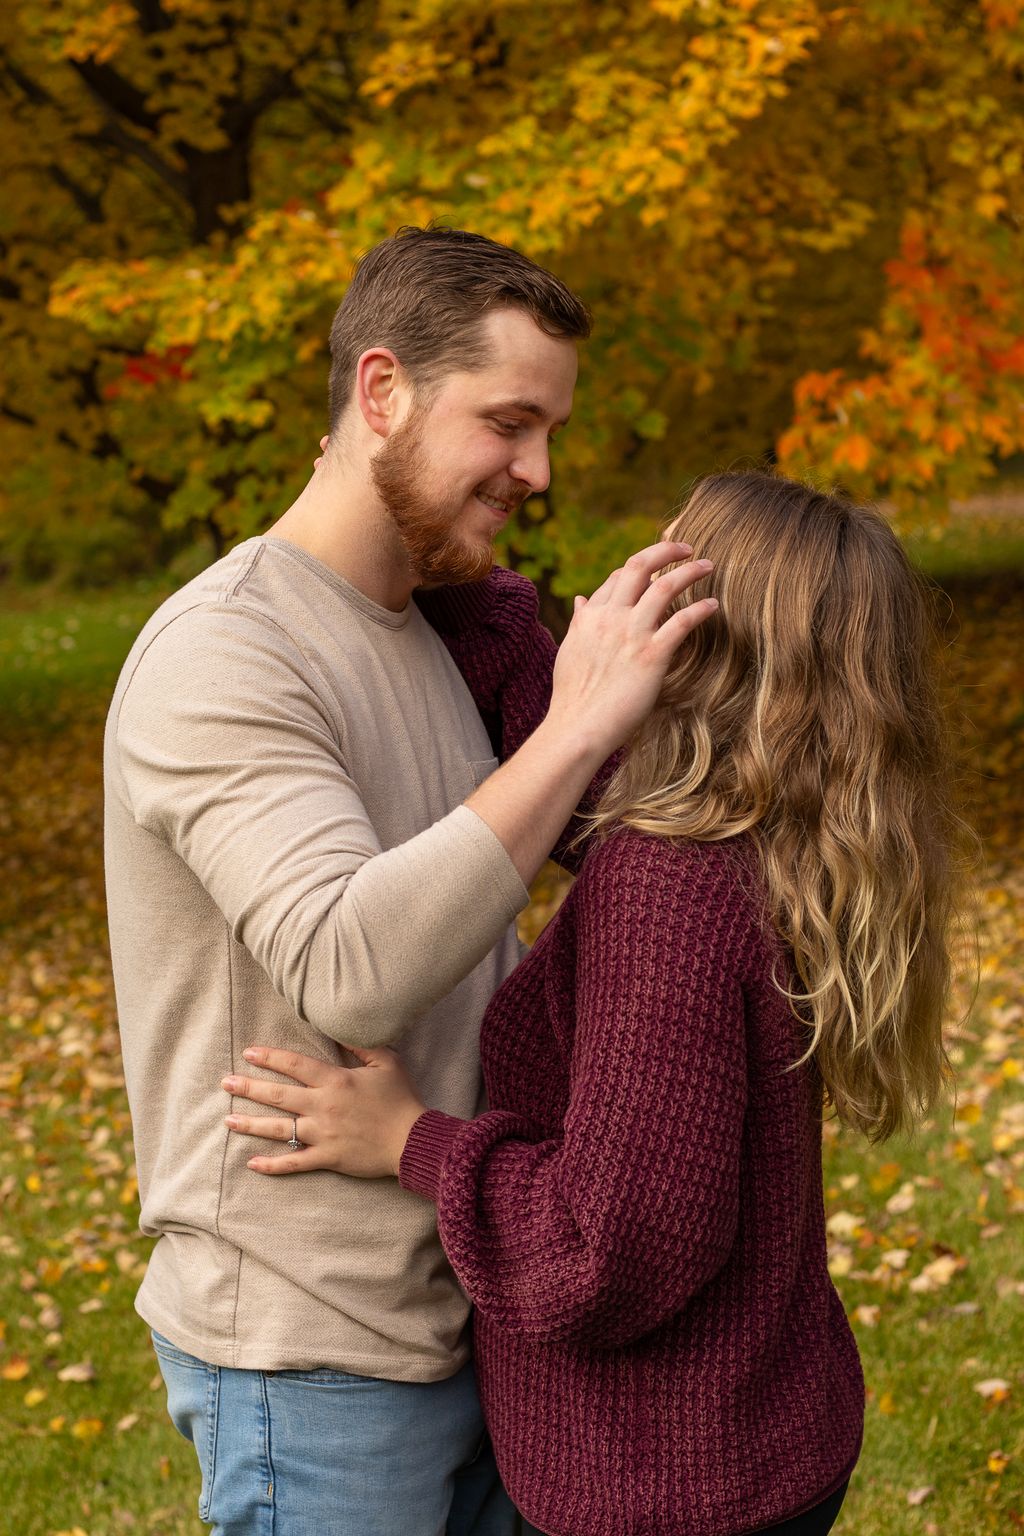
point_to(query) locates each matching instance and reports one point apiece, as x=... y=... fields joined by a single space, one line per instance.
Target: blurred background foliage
x=798 y=223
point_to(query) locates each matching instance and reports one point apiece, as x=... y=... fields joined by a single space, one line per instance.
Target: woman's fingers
x=267 y=1126
x=264 y=1091
x=305 y=1069
x=678 y=625
x=627 y=584
x=291 y=1162
x=664 y=589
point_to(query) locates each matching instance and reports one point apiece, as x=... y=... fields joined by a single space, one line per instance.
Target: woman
x=759 y=927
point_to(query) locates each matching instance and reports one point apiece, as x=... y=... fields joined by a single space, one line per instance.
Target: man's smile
x=495 y=503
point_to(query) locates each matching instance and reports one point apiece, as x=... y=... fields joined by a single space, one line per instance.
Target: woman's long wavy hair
x=806 y=714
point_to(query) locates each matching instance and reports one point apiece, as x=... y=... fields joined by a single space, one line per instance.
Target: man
x=307 y=843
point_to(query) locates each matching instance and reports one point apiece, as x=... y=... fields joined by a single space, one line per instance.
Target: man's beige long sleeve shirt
x=289 y=863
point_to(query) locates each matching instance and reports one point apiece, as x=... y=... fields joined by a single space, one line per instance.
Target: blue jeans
x=323 y=1453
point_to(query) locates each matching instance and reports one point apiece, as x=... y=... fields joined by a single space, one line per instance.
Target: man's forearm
x=607 y=676
x=529 y=799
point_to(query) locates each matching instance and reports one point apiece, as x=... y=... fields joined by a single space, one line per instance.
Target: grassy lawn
x=925 y=1236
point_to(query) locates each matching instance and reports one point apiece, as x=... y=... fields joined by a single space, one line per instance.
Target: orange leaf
x=855 y=451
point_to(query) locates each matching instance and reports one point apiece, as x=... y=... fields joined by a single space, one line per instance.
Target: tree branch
x=241 y=116
x=113 y=133
x=11 y=414
x=29 y=87
x=87 y=203
x=115 y=92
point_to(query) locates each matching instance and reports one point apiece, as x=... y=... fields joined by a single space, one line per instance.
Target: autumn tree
x=798 y=225
x=144 y=137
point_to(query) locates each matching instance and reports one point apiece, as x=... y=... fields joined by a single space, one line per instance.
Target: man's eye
x=506 y=426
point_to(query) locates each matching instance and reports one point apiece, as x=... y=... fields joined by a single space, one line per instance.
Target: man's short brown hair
x=423 y=293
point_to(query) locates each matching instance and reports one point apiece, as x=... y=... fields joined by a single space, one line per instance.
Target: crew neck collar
x=378 y=614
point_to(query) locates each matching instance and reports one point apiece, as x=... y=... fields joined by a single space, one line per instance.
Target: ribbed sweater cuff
x=428 y=1145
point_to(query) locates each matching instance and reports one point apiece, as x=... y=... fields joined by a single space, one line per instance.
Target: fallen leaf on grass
x=83 y=1371
x=938 y=1273
x=86 y=1429
x=998 y=1462
x=128 y=1422
x=840 y=1262
x=843 y=1224
x=995 y=1388
x=34 y=1396
x=917 y=1496
x=901 y=1202
x=867 y=1316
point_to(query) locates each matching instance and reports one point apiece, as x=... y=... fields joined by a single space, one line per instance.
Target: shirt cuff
x=428 y=1144
x=506 y=877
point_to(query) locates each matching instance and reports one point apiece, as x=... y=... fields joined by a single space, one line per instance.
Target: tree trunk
x=218 y=180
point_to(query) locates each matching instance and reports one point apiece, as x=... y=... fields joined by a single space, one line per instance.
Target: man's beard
x=436 y=552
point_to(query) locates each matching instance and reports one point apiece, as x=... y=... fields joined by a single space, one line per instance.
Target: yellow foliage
x=87 y=1429
x=751 y=194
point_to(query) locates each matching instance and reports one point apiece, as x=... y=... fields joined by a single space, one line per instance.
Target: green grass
x=924 y=1354
x=69 y=1236
x=69 y=1241
x=969 y=548
x=61 y=653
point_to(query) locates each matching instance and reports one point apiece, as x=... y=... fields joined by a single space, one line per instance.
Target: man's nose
x=533 y=467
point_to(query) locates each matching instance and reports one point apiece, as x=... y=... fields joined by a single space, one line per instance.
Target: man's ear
x=380 y=389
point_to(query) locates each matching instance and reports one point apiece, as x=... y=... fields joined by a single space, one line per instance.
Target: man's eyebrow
x=528 y=408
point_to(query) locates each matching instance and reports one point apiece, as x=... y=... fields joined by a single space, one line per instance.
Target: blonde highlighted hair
x=806 y=715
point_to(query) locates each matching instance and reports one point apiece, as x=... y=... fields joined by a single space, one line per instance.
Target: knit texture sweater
x=638 y=1219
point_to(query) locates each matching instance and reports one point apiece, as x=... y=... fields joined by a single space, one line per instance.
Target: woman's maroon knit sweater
x=638 y=1219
